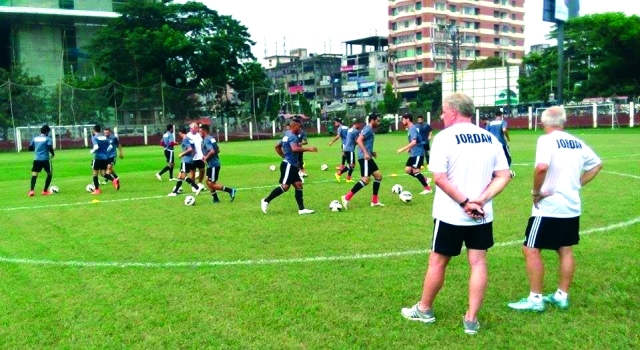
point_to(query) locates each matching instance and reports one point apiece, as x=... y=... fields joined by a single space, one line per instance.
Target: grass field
x=141 y=270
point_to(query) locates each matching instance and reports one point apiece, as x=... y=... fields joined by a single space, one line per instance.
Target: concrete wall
x=40 y=50
x=89 y=5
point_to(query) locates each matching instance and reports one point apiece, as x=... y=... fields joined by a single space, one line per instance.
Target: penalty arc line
x=361 y=256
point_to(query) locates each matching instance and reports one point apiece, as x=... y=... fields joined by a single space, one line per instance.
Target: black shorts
x=198 y=164
x=168 y=154
x=301 y=159
x=367 y=167
x=99 y=164
x=350 y=157
x=289 y=174
x=213 y=173
x=426 y=147
x=39 y=165
x=187 y=167
x=415 y=162
x=552 y=233
x=448 y=239
x=111 y=161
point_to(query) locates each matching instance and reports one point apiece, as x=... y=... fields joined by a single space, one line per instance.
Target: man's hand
x=313 y=149
x=538 y=197
x=375 y=154
x=474 y=209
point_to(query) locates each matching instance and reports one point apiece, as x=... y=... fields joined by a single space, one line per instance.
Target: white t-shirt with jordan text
x=469 y=155
x=567 y=157
x=197 y=141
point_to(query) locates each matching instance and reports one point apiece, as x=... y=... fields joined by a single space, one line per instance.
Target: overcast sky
x=322 y=25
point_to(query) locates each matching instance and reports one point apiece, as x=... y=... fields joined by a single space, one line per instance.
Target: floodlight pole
x=560 y=85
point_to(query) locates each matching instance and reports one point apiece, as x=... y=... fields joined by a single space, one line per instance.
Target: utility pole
x=455 y=53
x=560 y=85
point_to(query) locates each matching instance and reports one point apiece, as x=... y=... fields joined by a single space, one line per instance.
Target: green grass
x=344 y=303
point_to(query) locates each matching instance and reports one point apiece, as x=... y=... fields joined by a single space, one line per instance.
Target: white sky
x=321 y=26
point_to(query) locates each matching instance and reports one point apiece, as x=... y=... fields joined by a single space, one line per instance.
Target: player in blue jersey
x=416 y=152
x=368 y=166
x=349 y=150
x=42 y=145
x=498 y=127
x=288 y=148
x=114 y=143
x=426 y=132
x=211 y=151
x=341 y=133
x=100 y=145
x=168 y=141
x=186 y=167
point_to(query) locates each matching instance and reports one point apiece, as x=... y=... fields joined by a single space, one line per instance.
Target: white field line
x=316 y=259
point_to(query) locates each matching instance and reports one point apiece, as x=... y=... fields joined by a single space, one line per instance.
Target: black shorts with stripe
x=552 y=233
x=99 y=164
x=426 y=147
x=415 y=162
x=111 y=161
x=39 y=165
x=213 y=173
x=350 y=157
x=187 y=167
x=198 y=164
x=289 y=174
x=367 y=167
x=168 y=154
x=448 y=239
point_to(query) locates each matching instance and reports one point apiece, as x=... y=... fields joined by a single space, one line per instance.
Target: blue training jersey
x=41 y=145
x=495 y=127
x=350 y=141
x=414 y=134
x=368 y=135
x=168 y=139
x=342 y=130
x=209 y=144
x=114 y=142
x=187 y=144
x=424 y=129
x=102 y=144
x=288 y=140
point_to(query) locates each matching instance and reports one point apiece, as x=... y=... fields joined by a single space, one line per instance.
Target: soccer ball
x=324 y=167
x=396 y=189
x=405 y=196
x=272 y=168
x=335 y=206
x=90 y=188
x=189 y=200
x=513 y=173
x=54 y=189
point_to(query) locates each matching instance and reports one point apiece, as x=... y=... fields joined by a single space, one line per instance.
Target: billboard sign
x=487 y=87
x=560 y=10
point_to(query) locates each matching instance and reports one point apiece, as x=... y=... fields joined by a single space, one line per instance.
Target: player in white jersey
x=198 y=163
x=469 y=169
x=564 y=164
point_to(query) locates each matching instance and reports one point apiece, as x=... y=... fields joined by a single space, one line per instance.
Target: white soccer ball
x=272 y=168
x=396 y=189
x=324 y=167
x=189 y=200
x=54 y=189
x=335 y=206
x=90 y=188
x=405 y=196
x=513 y=173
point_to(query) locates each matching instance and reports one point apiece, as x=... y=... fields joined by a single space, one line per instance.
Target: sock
x=299 y=199
x=227 y=189
x=171 y=172
x=537 y=297
x=560 y=295
x=109 y=177
x=422 y=180
x=374 y=198
x=275 y=193
x=344 y=160
x=214 y=194
x=96 y=183
x=344 y=170
x=350 y=172
x=33 y=182
x=376 y=188
x=192 y=183
x=178 y=185
x=115 y=176
x=47 y=182
x=164 y=170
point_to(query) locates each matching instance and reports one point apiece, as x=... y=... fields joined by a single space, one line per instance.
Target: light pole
x=393 y=58
x=454 y=34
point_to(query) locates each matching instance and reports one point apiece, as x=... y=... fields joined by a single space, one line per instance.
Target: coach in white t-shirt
x=469 y=169
x=198 y=163
x=564 y=164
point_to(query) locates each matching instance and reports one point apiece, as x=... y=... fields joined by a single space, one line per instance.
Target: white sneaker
x=425 y=192
x=378 y=204
x=158 y=177
x=526 y=304
x=172 y=194
x=345 y=202
x=172 y=179
x=198 y=190
x=306 y=211
x=428 y=180
x=263 y=205
x=201 y=186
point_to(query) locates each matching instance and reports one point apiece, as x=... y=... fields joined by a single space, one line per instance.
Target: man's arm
x=334 y=139
x=360 y=142
x=411 y=144
x=587 y=176
x=505 y=131
x=297 y=149
x=278 y=149
x=120 y=149
x=539 y=174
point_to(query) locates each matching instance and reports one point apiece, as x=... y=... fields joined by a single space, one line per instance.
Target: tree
x=540 y=69
x=304 y=105
x=490 y=62
x=391 y=102
x=27 y=105
x=252 y=85
x=429 y=97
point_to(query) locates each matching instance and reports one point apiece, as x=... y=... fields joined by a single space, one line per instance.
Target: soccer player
x=564 y=164
x=100 y=156
x=288 y=148
x=303 y=142
x=211 y=151
x=114 y=142
x=341 y=133
x=42 y=145
x=498 y=127
x=416 y=152
x=469 y=169
x=426 y=132
x=198 y=164
x=188 y=151
x=168 y=141
x=368 y=166
x=349 y=150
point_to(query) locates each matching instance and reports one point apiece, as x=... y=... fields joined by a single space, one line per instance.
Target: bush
x=384 y=126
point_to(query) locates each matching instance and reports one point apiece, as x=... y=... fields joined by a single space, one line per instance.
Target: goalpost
x=58 y=134
x=585 y=115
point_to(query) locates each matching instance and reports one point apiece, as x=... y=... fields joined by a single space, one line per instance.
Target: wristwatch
x=534 y=193
x=464 y=203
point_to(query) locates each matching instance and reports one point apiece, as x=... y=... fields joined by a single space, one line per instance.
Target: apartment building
x=364 y=70
x=426 y=37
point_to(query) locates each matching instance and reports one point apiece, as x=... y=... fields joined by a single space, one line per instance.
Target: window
x=419 y=5
x=477 y=39
x=496 y=28
x=468 y=25
x=70 y=52
x=468 y=10
x=440 y=66
x=405 y=68
x=440 y=20
x=419 y=51
x=394 y=26
x=496 y=53
x=439 y=6
x=452 y=8
x=405 y=24
x=513 y=16
x=418 y=21
x=66 y=4
x=477 y=53
x=505 y=42
x=394 y=12
x=477 y=11
x=513 y=43
x=496 y=14
x=420 y=79
x=419 y=66
x=469 y=53
x=477 y=25
x=513 y=55
x=496 y=41
x=419 y=36
x=496 y=1
x=452 y=22
x=513 y=3
x=504 y=2
x=505 y=29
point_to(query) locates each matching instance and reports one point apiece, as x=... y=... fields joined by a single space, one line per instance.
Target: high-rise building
x=427 y=37
x=364 y=70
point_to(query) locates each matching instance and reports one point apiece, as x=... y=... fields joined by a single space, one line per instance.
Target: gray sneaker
x=551 y=298
x=470 y=327
x=414 y=314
